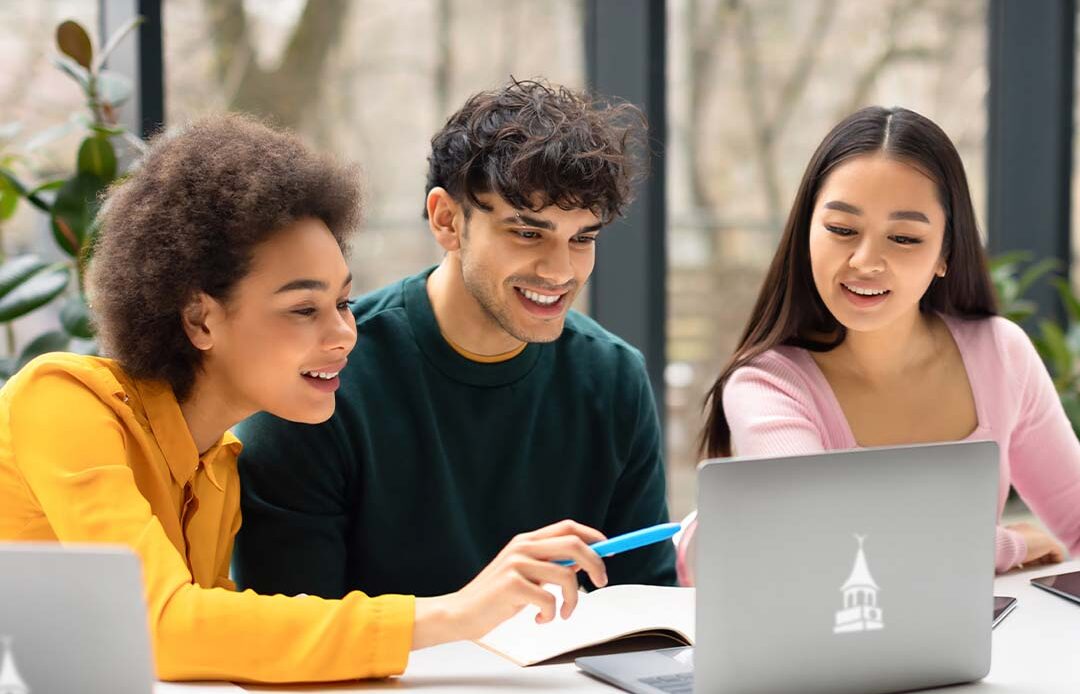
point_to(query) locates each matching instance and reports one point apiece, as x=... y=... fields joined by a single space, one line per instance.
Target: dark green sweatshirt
x=432 y=462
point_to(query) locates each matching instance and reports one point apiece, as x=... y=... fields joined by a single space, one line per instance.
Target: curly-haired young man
x=476 y=404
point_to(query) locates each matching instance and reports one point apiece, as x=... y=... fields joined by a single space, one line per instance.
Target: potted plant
x=27 y=282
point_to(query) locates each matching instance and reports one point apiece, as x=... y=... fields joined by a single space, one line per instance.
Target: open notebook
x=602 y=616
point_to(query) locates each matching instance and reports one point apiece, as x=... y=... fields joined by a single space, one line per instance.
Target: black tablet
x=1065 y=585
x=1002 y=607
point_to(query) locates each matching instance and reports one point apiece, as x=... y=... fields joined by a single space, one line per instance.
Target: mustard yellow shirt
x=88 y=454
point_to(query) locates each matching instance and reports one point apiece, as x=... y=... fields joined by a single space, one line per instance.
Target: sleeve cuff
x=1010 y=550
x=393 y=634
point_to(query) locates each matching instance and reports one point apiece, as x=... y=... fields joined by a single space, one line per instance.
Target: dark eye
x=585 y=240
x=906 y=240
x=304 y=312
x=526 y=234
x=840 y=231
x=343 y=305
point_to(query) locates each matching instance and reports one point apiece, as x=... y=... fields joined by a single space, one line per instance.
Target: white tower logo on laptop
x=860 y=611
x=10 y=682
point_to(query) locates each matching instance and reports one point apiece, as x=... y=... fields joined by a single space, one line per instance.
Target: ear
x=445 y=219
x=942 y=268
x=200 y=318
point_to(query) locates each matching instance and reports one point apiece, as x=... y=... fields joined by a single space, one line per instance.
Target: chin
x=548 y=333
x=316 y=414
x=863 y=323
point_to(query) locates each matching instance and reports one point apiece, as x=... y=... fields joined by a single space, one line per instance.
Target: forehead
x=304 y=248
x=880 y=183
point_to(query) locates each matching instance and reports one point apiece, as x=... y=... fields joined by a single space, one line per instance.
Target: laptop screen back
x=862 y=571
x=73 y=620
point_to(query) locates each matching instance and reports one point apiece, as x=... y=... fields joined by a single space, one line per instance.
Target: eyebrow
x=539 y=223
x=908 y=215
x=308 y=284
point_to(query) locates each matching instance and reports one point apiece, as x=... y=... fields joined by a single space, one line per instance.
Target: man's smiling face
x=525 y=268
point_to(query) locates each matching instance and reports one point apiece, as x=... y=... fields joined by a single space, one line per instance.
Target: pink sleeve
x=1011 y=548
x=770 y=412
x=1044 y=453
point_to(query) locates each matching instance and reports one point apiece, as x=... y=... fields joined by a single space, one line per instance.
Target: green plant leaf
x=97 y=157
x=48 y=186
x=73 y=41
x=75 y=317
x=1068 y=299
x=33 y=293
x=74 y=210
x=1054 y=347
x=88 y=243
x=13 y=180
x=1072 y=341
x=1007 y=290
x=1009 y=258
x=107 y=129
x=17 y=270
x=1032 y=274
x=74 y=70
x=52 y=341
x=1019 y=311
x=9 y=199
x=115 y=40
x=114 y=88
x=1070 y=401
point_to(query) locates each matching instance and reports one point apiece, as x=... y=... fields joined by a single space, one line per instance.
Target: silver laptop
x=72 y=619
x=862 y=571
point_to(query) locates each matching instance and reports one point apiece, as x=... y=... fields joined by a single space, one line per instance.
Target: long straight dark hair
x=789 y=310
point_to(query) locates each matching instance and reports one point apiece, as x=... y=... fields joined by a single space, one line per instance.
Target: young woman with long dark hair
x=877 y=325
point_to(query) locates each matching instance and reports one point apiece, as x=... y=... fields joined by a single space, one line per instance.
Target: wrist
x=434 y=622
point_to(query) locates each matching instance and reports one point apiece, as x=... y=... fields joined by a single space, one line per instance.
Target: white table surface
x=1036 y=650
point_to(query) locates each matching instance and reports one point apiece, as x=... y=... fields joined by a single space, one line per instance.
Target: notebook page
x=603 y=615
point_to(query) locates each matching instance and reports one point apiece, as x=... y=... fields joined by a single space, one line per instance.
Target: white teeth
x=325 y=375
x=865 y=292
x=540 y=298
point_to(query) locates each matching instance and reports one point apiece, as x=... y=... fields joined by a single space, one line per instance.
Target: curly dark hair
x=188 y=220
x=536 y=145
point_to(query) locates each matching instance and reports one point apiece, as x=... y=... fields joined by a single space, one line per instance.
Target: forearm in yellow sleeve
x=217 y=634
x=76 y=466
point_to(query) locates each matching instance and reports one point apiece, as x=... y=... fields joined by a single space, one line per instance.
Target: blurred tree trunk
x=444 y=59
x=769 y=128
x=707 y=38
x=285 y=93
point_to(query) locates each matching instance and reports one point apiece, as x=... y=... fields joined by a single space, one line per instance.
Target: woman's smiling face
x=876 y=240
x=285 y=332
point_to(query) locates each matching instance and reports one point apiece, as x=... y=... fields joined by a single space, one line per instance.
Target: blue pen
x=629 y=541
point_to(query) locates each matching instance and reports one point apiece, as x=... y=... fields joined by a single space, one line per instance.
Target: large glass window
x=370 y=79
x=754 y=85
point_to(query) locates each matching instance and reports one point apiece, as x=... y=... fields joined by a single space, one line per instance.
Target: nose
x=341 y=333
x=555 y=267
x=867 y=257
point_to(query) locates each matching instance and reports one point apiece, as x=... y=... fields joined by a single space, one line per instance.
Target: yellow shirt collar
x=485 y=358
x=173 y=436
